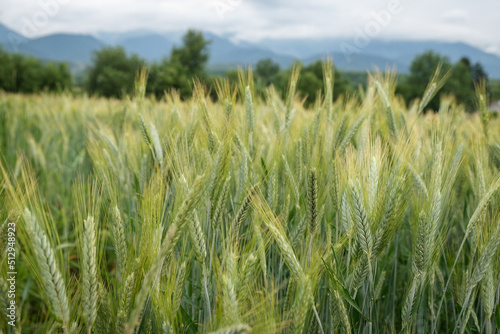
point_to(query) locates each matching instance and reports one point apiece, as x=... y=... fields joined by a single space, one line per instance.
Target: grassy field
x=358 y=216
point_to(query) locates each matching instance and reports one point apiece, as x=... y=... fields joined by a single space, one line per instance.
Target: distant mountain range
x=78 y=50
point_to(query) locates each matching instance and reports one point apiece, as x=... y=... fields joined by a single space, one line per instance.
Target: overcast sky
x=474 y=22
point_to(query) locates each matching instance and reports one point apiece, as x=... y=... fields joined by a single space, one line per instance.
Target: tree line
x=25 y=74
x=113 y=71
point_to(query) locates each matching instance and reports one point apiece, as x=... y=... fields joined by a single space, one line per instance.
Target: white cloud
x=456 y=16
x=455 y=20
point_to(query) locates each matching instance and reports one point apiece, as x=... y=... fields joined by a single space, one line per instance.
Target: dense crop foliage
x=359 y=215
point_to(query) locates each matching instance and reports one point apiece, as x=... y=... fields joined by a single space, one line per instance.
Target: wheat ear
x=179 y=285
x=90 y=286
x=125 y=302
x=50 y=276
x=119 y=241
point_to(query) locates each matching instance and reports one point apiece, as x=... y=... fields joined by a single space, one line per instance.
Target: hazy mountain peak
x=225 y=53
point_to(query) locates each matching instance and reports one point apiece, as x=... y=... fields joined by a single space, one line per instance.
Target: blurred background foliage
x=113 y=70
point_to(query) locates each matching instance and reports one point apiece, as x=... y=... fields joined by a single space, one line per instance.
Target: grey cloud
x=456 y=16
x=253 y=20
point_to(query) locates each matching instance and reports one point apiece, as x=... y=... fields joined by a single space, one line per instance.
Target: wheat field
x=251 y=215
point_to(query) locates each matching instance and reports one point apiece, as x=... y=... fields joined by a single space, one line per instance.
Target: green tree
x=26 y=74
x=461 y=84
x=6 y=71
x=113 y=72
x=193 y=55
x=311 y=81
x=494 y=90
x=421 y=71
x=165 y=76
x=56 y=77
x=184 y=65
x=265 y=71
x=478 y=73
